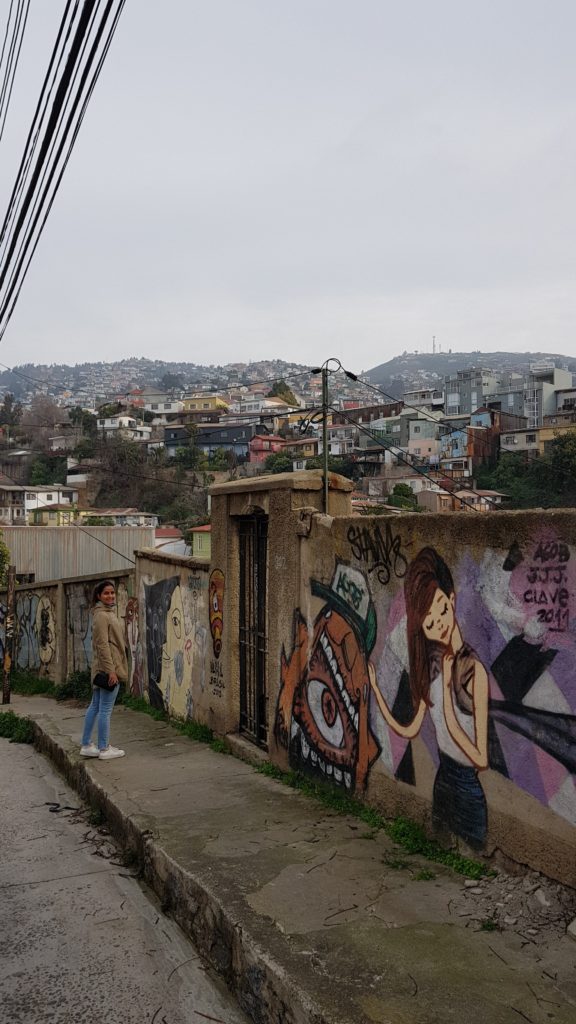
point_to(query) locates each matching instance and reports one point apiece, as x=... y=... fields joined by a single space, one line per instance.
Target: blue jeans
x=100 y=708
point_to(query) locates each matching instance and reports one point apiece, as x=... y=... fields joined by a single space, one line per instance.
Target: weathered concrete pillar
x=287 y=501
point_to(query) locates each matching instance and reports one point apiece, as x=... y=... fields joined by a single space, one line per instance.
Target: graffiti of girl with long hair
x=446 y=678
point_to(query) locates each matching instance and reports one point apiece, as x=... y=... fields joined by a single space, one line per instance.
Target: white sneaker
x=109 y=753
x=89 y=751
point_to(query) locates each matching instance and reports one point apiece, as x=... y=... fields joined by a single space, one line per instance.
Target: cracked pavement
x=80 y=939
x=369 y=934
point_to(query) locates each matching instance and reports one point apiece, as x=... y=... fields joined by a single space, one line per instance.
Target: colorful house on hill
x=201 y=541
x=54 y=515
x=263 y=445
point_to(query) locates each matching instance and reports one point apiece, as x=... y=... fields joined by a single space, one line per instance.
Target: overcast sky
x=307 y=178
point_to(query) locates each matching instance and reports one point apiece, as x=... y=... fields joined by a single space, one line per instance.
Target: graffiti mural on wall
x=169 y=646
x=322 y=715
x=79 y=623
x=35 y=636
x=216 y=609
x=216 y=619
x=35 y=631
x=448 y=680
x=476 y=659
x=136 y=667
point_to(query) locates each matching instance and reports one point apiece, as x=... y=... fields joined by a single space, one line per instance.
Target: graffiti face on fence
x=216 y=609
x=169 y=647
x=322 y=714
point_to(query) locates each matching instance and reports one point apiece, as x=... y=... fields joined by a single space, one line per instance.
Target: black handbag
x=101 y=679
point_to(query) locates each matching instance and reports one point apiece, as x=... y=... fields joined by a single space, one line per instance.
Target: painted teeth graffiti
x=322 y=713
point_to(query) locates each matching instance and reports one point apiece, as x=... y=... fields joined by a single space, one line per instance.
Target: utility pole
x=9 y=634
x=325 y=437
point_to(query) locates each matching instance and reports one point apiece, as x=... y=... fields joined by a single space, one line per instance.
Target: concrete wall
x=482 y=612
x=53 y=625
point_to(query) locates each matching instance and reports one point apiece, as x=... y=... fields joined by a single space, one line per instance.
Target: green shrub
x=78 y=686
x=16 y=729
x=29 y=684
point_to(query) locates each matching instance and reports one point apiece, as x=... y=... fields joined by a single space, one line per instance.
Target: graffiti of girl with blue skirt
x=448 y=680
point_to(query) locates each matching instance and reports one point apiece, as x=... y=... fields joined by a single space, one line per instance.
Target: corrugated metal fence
x=57 y=552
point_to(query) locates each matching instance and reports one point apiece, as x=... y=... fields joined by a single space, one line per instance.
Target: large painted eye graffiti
x=325 y=713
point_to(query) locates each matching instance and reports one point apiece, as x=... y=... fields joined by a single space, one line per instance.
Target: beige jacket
x=108 y=643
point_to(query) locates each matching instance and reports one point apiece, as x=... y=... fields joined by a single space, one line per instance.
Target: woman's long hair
x=99 y=588
x=426 y=574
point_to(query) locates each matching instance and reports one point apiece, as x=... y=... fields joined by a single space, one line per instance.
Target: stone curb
x=264 y=990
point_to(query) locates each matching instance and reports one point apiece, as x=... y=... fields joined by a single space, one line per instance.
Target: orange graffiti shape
x=322 y=715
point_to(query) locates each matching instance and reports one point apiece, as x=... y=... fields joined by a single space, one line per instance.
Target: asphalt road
x=80 y=939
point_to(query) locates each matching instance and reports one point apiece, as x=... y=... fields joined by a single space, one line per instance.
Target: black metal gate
x=253 y=640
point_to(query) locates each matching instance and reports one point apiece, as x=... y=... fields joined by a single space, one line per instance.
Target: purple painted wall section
x=443 y=665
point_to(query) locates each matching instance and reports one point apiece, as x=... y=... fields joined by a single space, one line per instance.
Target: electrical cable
x=535 y=460
x=19 y=272
x=13 y=58
x=40 y=112
x=230 y=387
x=402 y=458
x=34 y=207
x=424 y=414
x=78 y=527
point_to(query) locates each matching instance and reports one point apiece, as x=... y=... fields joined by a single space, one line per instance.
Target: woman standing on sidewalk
x=108 y=657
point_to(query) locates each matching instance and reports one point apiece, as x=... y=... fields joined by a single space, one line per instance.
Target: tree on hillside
x=109 y=409
x=278 y=462
x=46 y=470
x=403 y=497
x=86 y=421
x=172 y=382
x=281 y=390
x=38 y=421
x=342 y=464
x=547 y=481
x=10 y=411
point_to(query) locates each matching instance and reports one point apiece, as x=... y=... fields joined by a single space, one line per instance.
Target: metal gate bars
x=253 y=532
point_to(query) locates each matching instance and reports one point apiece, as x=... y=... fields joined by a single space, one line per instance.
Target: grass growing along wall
x=407 y=834
x=402 y=831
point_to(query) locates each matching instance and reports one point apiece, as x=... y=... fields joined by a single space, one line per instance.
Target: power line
x=532 y=460
x=401 y=458
x=78 y=527
x=13 y=57
x=229 y=387
x=56 y=59
x=28 y=217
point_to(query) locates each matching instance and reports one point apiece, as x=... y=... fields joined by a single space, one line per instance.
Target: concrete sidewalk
x=311 y=918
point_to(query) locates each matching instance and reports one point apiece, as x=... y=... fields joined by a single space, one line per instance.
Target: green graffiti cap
x=349 y=595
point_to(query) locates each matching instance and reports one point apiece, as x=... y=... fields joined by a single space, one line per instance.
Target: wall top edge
x=151 y=555
x=113 y=574
x=305 y=480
